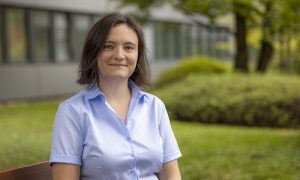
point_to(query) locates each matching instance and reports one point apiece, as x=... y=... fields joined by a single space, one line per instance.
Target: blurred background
x=41 y=42
x=228 y=72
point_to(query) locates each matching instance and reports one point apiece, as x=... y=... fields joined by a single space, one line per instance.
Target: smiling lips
x=117 y=64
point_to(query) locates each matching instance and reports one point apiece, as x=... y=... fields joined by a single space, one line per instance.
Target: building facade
x=41 y=42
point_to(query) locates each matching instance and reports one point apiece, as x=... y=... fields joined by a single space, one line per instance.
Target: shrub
x=191 y=65
x=252 y=100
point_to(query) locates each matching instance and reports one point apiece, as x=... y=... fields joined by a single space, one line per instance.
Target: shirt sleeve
x=67 y=138
x=170 y=147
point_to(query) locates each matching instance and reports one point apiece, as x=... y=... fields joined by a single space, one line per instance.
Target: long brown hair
x=87 y=70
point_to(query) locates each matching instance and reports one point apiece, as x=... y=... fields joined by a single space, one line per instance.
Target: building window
x=16 y=35
x=40 y=31
x=184 y=39
x=177 y=41
x=188 y=40
x=81 y=26
x=194 y=40
x=157 y=40
x=211 y=41
x=200 y=39
x=60 y=37
x=166 y=40
x=171 y=28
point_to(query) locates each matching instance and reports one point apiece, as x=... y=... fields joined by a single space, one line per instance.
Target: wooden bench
x=39 y=171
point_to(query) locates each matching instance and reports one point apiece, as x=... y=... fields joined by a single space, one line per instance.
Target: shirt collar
x=136 y=92
x=93 y=91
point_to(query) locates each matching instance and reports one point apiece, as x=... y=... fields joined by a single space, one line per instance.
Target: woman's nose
x=119 y=54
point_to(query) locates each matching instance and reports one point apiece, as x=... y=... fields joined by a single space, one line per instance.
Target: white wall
x=31 y=81
x=93 y=6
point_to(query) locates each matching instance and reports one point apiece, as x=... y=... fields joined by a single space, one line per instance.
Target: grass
x=223 y=152
x=209 y=151
x=25 y=134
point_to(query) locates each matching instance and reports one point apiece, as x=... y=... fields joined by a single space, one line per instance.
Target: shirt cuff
x=65 y=159
x=171 y=157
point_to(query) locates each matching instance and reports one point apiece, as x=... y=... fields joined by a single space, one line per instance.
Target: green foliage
x=211 y=9
x=255 y=100
x=192 y=65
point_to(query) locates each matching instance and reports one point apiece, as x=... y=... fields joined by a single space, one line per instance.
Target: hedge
x=252 y=100
x=191 y=65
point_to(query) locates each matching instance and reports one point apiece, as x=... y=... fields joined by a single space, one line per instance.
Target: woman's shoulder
x=153 y=98
x=75 y=101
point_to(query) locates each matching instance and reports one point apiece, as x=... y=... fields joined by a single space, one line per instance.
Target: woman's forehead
x=122 y=32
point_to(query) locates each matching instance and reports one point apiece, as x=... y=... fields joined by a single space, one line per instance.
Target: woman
x=111 y=129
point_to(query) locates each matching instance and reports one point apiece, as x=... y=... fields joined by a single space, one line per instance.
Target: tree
x=288 y=31
x=277 y=16
x=211 y=9
x=266 y=50
x=214 y=8
x=241 y=11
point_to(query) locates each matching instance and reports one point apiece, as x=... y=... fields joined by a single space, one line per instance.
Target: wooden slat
x=39 y=171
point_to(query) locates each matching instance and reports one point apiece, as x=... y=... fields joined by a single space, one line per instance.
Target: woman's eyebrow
x=127 y=43
x=130 y=43
x=110 y=42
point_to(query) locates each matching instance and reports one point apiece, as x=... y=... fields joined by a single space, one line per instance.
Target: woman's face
x=118 y=58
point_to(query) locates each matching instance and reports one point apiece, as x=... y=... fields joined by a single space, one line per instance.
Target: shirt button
x=131 y=171
x=132 y=155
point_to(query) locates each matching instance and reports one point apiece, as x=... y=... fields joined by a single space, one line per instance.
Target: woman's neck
x=115 y=89
x=118 y=96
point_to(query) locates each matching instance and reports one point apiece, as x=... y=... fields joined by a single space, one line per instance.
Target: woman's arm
x=170 y=171
x=63 y=171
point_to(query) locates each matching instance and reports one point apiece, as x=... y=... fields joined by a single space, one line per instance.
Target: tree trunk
x=241 y=57
x=265 y=56
x=266 y=50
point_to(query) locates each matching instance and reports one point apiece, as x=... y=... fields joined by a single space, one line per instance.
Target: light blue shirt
x=88 y=132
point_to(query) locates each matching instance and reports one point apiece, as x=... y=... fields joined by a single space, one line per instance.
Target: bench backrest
x=39 y=171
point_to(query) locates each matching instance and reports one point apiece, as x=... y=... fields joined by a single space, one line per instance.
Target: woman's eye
x=129 y=48
x=108 y=47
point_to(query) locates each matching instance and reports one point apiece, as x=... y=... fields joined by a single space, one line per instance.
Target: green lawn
x=209 y=151
x=25 y=134
x=223 y=152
